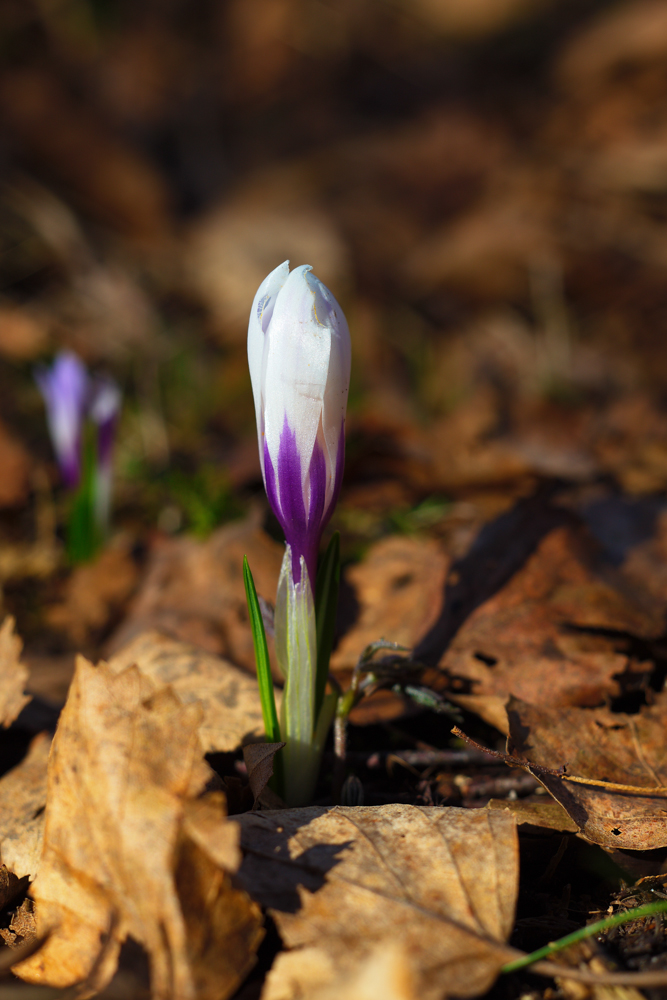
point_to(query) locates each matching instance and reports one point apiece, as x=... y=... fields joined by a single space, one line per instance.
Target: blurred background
x=481 y=183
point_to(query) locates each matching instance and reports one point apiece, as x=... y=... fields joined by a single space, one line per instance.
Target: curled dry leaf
x=229 y=697
x=343 y=882
x=521 y=641
x=615 y=785
x=258 y=758
x=13 y=674
x=22 y=802
x=129 y=849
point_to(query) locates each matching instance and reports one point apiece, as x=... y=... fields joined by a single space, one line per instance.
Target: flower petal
x=297 y=367
x=260 y=317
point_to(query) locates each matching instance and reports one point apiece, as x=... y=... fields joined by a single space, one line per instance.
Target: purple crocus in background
x=82 y=413
x=299 y=358
x=65 y=388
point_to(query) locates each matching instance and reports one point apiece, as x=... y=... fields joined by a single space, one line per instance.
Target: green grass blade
x=264 y=679
x=647 y=910
x=326 y=605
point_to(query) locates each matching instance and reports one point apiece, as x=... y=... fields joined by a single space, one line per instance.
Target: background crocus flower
x=299 y=358
x=103 y=410
x=65 y=388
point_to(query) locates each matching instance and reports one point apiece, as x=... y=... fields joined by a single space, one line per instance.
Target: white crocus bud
x=299 y=358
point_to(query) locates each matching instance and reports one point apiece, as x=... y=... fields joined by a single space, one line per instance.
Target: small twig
x=420 y=758
x=527 y=765
x=647 y=910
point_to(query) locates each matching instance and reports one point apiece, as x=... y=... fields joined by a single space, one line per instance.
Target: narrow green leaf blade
x=326 y=605
x=264 y=679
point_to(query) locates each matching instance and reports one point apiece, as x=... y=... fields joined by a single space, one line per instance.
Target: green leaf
x=264 y=679
x=326 y=606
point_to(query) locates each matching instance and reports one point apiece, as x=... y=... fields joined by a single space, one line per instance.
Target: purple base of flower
x=70 y=467
x=284 y=490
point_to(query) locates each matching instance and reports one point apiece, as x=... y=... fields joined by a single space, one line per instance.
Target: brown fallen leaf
x=194 y=590
x=310 y=974
x=547 y=814
x=521 y=640
x=22 y=928
x=23 y=334
x=398 y=586
x=234 y=245
x=13 y=674
x=615 y=782
x=129 y=849
x=15 y=464
x=623 y=35
x=258 y=758
x=342 y=882
x=229 y=697
x=107 y=178
x=95 y=593
x=22 y=803
x=22 y=922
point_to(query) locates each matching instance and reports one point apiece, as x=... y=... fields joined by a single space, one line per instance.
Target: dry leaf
x=623 y=35
x=22 y=802
x=13 y=674
x=615 y=785
x=21 y=930
x=10 y=886
x=345 y=881
x=95 y=593
x=111 y=180
x=127 y=852
x=310 y=974
x=472 y=19
x=234 y=246
x=194 y=590
x=15 y=464
x=398 y=586
x=23 y=335
x=520 y=640
x=547 y=814
x=466 y=452
x=258 y=758
x=229 y=697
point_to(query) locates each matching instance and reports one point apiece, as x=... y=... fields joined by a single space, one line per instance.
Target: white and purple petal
x=64 y=388
x=299 y=357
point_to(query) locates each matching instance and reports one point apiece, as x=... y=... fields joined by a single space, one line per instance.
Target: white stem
x=103 y=487
x=296 y=649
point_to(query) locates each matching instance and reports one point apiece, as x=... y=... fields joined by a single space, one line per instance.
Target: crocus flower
x=103 y=410
x=64 y=388
x=299 y=358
